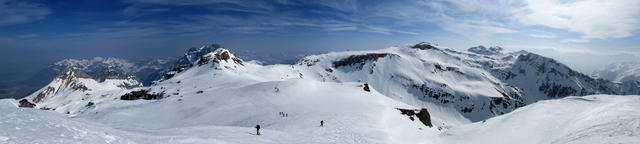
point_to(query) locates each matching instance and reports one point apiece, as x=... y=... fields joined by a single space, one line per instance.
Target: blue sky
x=585 y=34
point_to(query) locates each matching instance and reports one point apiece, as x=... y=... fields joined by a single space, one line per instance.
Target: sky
x=584 y=34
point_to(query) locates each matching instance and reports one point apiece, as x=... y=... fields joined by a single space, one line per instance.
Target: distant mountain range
x=620 y=72
x=403 y=94
x=479 y=83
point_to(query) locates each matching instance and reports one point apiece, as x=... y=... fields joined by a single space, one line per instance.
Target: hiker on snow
x=321 y=123
x=257 y=129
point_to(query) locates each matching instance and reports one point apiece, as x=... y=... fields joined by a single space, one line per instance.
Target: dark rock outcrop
x=134 y=95
x=423 y=46
x=422 y=114
x=359 y=60
x=26 y=104
x=90 y=104
x=366 y=88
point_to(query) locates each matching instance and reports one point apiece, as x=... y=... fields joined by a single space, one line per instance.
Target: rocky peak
x=424 y=46
x=72 y=73
x=65 y=80
x=203 y=55
x=221 y=57
x=196 y=53
x=486 y=51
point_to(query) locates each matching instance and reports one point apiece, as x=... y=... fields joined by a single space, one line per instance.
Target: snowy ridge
x=214 y=96
x=422 y=75
x=620 y=72
x=588 y=119
x=73 y=89
x=543 y=78
x=86 y=64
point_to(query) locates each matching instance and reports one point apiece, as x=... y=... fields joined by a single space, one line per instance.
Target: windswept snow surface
x=588 y=119
x=219 y=98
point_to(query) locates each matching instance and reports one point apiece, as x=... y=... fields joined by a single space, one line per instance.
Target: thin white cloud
x=599 y=19
x=574 y=50
x=408 y=32
x=592 y=19
x=342 y=28
x=27 y=36
x=378 y=29
x=15 y=12
x=542 y=34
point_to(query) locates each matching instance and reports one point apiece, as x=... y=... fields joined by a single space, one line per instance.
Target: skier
x=321 y=123
x=257 y=129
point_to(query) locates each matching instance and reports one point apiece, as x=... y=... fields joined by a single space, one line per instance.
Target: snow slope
x=216 y=97
x=73 y=90
x=422 y=75
x=588 y=119
x=241 y=95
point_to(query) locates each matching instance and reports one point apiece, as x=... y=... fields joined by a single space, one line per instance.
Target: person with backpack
x=321 y=123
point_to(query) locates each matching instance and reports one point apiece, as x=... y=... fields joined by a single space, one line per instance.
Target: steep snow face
x=588 y=119
x=620 y=72
x=73 y=89
x=543 y=78
x=422 y=75
x=189 y=59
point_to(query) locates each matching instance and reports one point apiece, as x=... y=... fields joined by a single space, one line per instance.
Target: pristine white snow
x=588 y=119
x=221 y=100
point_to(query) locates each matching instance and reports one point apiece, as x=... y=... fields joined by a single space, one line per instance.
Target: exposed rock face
x=356 y=62
x=109 y=73
x=64 y=81
x=486 y=51
x=134 y=95
x=544 y=78
x=366 y=88
x=203 y=56
x=26 y=104
x=424 y=117
x=90 y=104
x=424 y=46
x=422 y=114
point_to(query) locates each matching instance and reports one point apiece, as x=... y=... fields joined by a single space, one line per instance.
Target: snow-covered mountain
x=419 y=93
x=73 y=88
x=478 y=84
x=620 y=72
x=145 y=69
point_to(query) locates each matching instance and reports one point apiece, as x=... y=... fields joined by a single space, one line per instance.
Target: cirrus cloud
x=15 y=12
